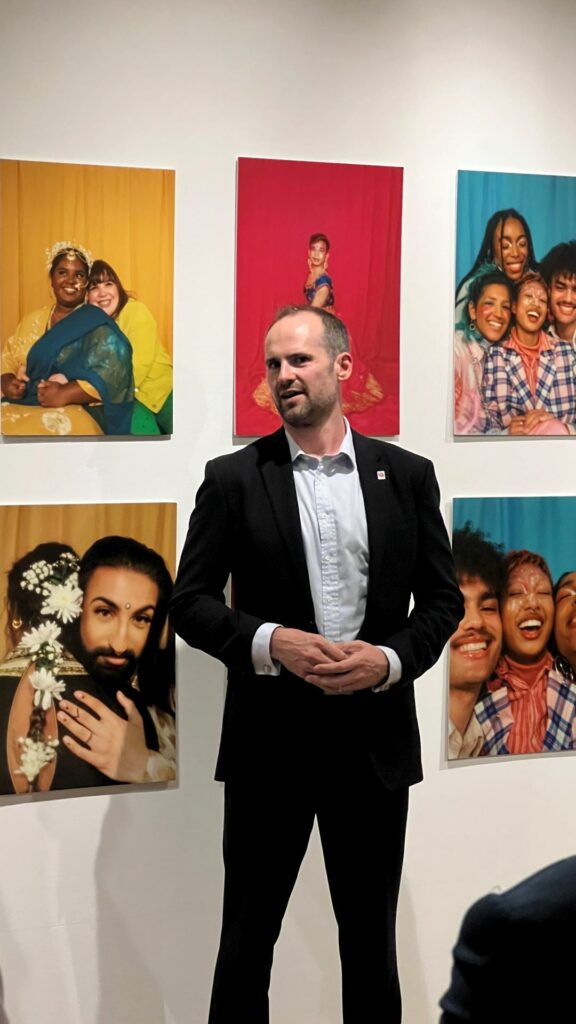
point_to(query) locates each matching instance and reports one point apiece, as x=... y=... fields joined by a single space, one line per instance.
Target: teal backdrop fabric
x=545 y=525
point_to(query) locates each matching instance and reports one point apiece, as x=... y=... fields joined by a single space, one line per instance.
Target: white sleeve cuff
x=263 y=663
x=395 y=670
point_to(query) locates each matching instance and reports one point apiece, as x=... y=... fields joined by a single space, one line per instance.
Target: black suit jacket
x=514 y=959
x=246 y=523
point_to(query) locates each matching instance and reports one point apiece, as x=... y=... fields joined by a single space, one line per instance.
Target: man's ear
x=343 y=364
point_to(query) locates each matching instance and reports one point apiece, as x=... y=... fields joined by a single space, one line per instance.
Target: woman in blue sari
x=71 y=356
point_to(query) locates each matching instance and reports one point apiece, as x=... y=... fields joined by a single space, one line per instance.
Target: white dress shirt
x=335 y=536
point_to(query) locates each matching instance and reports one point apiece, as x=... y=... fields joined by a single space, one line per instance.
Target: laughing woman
x=485 y=323
x=151 y=362
x=519 y=715
x=529 y=381
x=67 y=369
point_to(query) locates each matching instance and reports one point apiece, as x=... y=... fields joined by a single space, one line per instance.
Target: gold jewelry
x=72 y=250
x=16 y=623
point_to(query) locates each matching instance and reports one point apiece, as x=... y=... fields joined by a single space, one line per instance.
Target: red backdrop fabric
x=280 y=204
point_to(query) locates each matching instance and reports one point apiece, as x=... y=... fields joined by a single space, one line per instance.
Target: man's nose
x=119 y=637
x=472 y=619
x=285 y=372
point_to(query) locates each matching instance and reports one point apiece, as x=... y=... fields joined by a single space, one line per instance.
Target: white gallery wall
x=109 y=905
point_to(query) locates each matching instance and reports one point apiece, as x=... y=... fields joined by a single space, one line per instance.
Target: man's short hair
x=515 y=559
x=319 y=237
x=335 y=335
x=478 y=558
x=560 y=260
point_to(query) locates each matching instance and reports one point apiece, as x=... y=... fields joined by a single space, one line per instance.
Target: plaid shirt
x=506 y=390
x=495 y=716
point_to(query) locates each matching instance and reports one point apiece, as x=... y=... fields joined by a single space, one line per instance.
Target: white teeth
x=480 y=645
x=531 y=624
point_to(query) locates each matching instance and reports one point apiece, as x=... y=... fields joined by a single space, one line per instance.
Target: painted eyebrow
x=112 y=604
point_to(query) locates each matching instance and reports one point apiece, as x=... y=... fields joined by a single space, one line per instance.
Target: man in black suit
x=327 y=535
x=514 y=958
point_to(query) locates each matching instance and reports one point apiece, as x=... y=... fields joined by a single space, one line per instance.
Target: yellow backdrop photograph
x=87 y=676
x=86 y=299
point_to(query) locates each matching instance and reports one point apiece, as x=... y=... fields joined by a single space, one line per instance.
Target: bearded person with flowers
x=45 y=606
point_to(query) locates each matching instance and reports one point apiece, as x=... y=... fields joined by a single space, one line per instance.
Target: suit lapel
x=374 y=474
x=278 y=479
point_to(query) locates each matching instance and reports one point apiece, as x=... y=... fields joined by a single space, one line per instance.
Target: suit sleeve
x=198 y=610
x=438 y=605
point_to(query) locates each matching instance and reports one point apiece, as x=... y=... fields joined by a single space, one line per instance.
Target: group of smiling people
x=513 y=656
x=515 y=337
x=90 y=362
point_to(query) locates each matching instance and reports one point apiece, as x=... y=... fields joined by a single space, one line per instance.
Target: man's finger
x=346 y=664
x=82 y=752
x=82 y=732
x=93 y=703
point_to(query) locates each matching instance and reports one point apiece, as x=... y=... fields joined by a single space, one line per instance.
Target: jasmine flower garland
x=57 y=583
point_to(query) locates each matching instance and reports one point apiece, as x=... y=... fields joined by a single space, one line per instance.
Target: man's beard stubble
x=310 y=412
x=111 y=676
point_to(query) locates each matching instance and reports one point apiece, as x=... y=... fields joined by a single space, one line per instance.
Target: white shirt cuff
x=262 y=662
x=395 y=672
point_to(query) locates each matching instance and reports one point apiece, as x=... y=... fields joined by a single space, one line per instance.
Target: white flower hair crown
x=71 y=249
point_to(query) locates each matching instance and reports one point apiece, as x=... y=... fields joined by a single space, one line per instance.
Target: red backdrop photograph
x=353 y=270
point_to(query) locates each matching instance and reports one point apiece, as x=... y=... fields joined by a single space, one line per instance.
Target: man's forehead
x=110 y=579
x=563 y=277
x=299 y=330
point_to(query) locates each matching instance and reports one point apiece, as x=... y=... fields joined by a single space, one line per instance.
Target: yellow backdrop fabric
x=124 y=215
x=22 y=527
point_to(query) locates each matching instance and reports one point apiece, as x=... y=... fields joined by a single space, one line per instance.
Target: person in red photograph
x=318 y=287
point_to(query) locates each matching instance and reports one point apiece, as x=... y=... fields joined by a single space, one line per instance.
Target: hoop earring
x=473 y=325
x=16 y=623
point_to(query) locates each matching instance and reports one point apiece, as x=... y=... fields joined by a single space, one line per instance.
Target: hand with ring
x=114 y=745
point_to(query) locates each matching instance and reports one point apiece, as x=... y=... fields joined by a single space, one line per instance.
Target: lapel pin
x=381 y=474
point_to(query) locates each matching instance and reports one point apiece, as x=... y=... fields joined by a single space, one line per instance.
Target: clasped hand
x=341 y=667
x=114 y=745
x=53 y=392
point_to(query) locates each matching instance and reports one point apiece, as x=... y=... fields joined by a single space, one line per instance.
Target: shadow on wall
x=415 y=998
x=159 y=894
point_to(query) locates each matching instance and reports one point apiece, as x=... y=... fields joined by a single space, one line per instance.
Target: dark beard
x=113 y=677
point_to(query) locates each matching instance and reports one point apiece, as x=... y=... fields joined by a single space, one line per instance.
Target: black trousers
x=267 y=825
